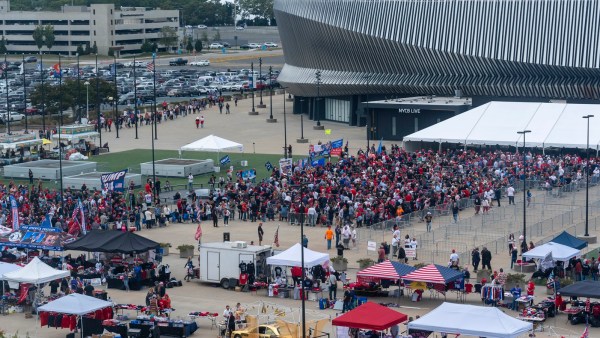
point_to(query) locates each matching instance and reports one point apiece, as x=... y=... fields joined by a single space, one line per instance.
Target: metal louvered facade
x=546 y=49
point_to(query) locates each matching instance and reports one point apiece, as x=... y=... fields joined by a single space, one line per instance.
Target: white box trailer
x=219 y=262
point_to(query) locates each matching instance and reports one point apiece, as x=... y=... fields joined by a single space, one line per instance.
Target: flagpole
x=98 y=114
x=60 y=102
x=43 y=92
x=5 y=68
x=135 y=98
x=78 y=91
x=24 y=93
x=154 y=115
x=115 y=102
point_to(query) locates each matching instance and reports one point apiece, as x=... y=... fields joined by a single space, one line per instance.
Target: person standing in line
x=201 y=121
x=329 y=237
x=226 y=214
x=261 y=233
x=191 y=182
x=197 y=122
x=428 y=219
x=510 y=192
x=497 y=194
x=455 y=211
x=486 y=258
x=475 y=259
x=477 y=204
x=215 y=218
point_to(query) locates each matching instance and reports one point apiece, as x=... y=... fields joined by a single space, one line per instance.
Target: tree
x=94 y=48
x=68 y=94
x=38 y=37
x=146 y=47
x=189 y=47
x=168 y=37
x=217 y=36
x=49 y=36
x=260 y=8
x=80 y=50
x=3 y=48
x=198 y=46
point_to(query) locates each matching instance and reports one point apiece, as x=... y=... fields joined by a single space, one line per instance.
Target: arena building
x=481 y=50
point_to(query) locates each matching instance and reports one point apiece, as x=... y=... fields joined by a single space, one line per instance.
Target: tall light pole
x=60 y=112
x=316 y=105
x=368 y=124
x=285 y=152
x=78 y=91
x=116 y=97
x=87 y=101
x=98 y=114
x=24 y=94
x=261 y=104
x=135 y=98
x=253 y=112
x=301 y=139
x=271 y=119
x=587 y=175
x=524 y=243
x=7 y=101
x=44 y=92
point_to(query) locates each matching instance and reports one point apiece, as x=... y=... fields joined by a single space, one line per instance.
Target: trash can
x=226 y=237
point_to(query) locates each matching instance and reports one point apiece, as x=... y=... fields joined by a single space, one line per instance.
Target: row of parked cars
x=251 y=45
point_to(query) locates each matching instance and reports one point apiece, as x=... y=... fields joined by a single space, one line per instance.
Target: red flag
x=276 y=239
x=198 y=232
x=150 y=66
x=586 y=332
x=56 y=67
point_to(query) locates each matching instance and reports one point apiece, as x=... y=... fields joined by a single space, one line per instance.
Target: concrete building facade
x=123 y=29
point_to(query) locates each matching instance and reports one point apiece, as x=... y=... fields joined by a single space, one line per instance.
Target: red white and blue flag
x=78 y=212
x=14 y=208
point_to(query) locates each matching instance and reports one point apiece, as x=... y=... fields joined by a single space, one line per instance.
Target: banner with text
x=114 y=181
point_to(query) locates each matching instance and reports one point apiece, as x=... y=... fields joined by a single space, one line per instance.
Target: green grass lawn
x=131 y=159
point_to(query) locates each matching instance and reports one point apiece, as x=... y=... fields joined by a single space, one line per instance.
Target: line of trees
x=68 y=94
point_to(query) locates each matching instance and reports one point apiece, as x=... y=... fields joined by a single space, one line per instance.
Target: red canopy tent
x=370 y=316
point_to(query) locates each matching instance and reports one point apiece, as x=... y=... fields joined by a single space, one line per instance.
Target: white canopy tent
x=6 y=268
x=559 y=252
x=36 y=272
x=214 y=144
x=75 y=304
x=292 y=257
x=497 y=123
x=490 y=322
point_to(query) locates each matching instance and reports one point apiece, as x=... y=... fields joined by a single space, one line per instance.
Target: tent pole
x=81 y=319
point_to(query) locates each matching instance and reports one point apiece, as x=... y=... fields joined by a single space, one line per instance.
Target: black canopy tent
x=586 y=288
x=112 y=241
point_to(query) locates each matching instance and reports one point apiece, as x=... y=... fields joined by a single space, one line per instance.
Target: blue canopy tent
x=569 y=240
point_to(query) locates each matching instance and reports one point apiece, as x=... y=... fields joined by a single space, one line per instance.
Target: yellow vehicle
x=261 y=331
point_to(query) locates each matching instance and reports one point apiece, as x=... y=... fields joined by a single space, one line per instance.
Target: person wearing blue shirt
x=516 y=293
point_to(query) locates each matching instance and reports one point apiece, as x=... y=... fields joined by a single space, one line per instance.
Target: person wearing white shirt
x=454 y=259
x=227 y=312
x=510 y=192
x=414 y=244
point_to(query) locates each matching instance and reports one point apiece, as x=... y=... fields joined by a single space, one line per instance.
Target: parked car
x=30 y=59
x=245 y=46
x=253 y=45
x=200 y=63
x=14 y=117
x=202 y=27
x=215 y=45
x=178 y=62
x=239 y=28
x=271 y=44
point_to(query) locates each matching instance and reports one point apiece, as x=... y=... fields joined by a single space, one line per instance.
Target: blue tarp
x=569 y=240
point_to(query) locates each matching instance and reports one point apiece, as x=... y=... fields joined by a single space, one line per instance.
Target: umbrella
x=46 y=141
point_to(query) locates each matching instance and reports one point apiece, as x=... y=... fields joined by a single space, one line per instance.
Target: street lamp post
x=301 y=139
x=7 y=100
x=87 y=100
x=524 y=243
x=44 y=92
x=285 y=152
x=116 y=98
x=78 y=91
x=135 y=99
x=251 y=89
x=98 y=114
x=367 y=113
x=24 y=93
x=261 y=104
x=271 y=119
x=60 y=112
x=317 y=108
x=587 y=176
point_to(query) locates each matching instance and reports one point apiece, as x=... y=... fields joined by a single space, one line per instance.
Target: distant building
x=123 y=29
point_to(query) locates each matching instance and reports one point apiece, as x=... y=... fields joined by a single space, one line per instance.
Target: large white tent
x=36 y=272
x=292 y=257
x=497 y=123
x=6 y=268
x=452 y=318
x=212 y=143
x=559 y=252
x=75 y=304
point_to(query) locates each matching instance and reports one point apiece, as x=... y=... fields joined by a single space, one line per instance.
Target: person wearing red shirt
x=530 y=288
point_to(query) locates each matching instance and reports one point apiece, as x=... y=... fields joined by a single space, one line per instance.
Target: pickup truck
x=178 y=62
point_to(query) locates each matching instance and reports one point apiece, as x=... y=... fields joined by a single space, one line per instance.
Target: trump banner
x=114 y=181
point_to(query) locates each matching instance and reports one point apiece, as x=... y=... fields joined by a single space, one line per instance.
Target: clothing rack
x=492 y=293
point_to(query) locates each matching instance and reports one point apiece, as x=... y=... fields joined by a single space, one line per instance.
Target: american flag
x=75 y=215
x=276 y=239
x=586 y=332
x=150 y=66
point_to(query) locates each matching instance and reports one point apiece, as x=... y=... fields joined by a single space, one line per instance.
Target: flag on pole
x=379 y=148
x=550 y=282
x=276 y=239
x=14 y=213
x=150 y=66
x=198 y=235
x=78 y=213
x=586 y=332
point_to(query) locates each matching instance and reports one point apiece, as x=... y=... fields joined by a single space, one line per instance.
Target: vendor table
x=119 y=329
x=524 y=301
x=536 y=321
x=170 y=328
x=117 y=283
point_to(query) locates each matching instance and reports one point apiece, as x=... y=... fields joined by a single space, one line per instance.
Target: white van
x=206 y=79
